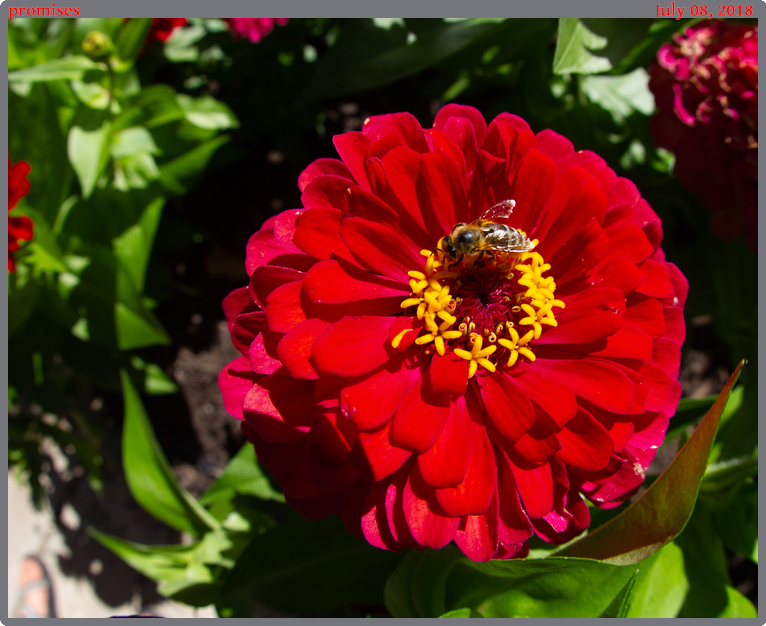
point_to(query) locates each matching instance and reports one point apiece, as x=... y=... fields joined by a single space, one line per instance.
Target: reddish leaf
x=661 y=513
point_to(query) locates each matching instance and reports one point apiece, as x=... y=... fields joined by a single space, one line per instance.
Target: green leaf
x=309 y=567
x=131 y=37
x=710 y=593
x=573 y=49
x=134 y=246
x=207 y=112
x=91 y=95
x=132 y=141
x=431 y=583
x=152 y=379
x=158 y=105
x=621 y=603
x=462 y=613
x=620 y=95
x=736 y=523
x=175 y=173
x=149 y=475
x=112 y=312
x=68 y=68
x=367 y=57
x=241 y=475
x=661 y=513
x=661 y=585
x=182 y=572
x=88 y=152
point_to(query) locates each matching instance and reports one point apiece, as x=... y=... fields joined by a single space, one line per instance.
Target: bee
x=472 y=241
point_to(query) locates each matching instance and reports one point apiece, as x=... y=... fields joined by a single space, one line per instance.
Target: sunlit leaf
x=620 y=95
x=574 y=46
x=149 y=475
x=88 y=151
x=68 y=68
x=622 y=601
x=175 y=174
x=462 y=613
x=207 y=112
x=242 y=475
x=660 y=588
x=661 y=513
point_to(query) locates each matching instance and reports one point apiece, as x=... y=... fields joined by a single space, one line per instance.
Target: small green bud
x=96 y=44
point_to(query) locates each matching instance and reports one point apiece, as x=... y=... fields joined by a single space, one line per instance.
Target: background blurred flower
x=19 y=228
x=163 y=27
x=706 y=87
x=425 y=401
x=254 y=28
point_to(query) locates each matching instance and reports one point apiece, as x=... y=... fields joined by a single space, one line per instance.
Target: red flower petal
x=263 y=353
x=238 y=301
x=283 y=307
x=421 y=416
x=288 y=468
x=535 y=484
x=646 y=314
x=375 y=457
x=352 y=148
x=234 y=381
x=332 y=437
x=657 y=283
x=353 y=346
x=375 y=398
x=506 y=405
x=330 y=282
x=476 y=535
x=554 y=145
x=321 y=167
x=473 y=495
x=445 y=463
x=266 y=278
x=325 y=192
x=428 y=524
x=582 y=252
x=449 y=374
x=264 y=249
x=531 y=188
x=317 y=234
x=585 y=443
x=246 y=327
x=513 y=526
x=294 y=350
x=603 y=385
x=555 y=399
x=380 y=248
x=279 y=408
x=441 y=191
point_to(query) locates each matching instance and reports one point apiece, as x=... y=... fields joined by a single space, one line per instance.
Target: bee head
x=449 y=247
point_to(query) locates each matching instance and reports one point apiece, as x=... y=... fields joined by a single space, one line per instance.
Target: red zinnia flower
x=163 y=27
x=19 y=228
x=424 y=398
x=254 y=28
x=706 y=87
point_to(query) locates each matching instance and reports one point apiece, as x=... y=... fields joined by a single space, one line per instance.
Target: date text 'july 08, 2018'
x=702 y=10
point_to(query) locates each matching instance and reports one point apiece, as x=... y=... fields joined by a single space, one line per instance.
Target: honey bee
x=472 y=241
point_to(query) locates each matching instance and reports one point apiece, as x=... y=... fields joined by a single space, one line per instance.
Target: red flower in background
x=425 y=399
x=706 y=87
x=19 y=228
x=253 y=28
x=163 y=27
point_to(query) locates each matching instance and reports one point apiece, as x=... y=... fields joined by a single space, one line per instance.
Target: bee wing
x=505 y=241
x=501 y=210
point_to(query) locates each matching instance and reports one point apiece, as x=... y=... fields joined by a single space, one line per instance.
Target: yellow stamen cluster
x=539 y=293
x=477 y=356
x=434 y=302
x=436 y=307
